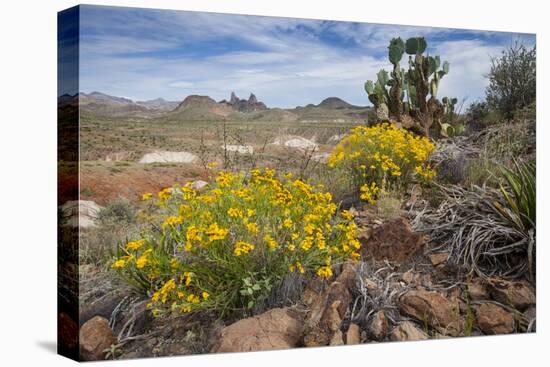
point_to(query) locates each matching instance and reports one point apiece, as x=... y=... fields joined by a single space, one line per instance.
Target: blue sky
x=144 y=54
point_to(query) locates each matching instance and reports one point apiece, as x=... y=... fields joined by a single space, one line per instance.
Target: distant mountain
x=159 y=104
x=332 y=109
x=204 y=108
x=106 y=105
x=245 y=105
x=195 y=107
x=335 y=103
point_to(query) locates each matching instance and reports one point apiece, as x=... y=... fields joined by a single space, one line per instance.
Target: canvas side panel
x=68 y=178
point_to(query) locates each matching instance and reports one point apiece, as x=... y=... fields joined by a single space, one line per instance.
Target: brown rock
x=337 y=338
x=438 y=258
x=394 y=240
x=67 y=331
x=518 y=294
x=433 y=308
x=348 y=275
x=326 y=314
x=102 y=307
x=378 y=327
x=95 y=336
x=353 y=335
x=477 y=290
x=279 y=328
x=407 y=331
x=493 y=319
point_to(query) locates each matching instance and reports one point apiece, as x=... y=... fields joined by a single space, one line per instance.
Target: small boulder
x=407 y=331
x=438 y=258
x=353 y=335
x=326 y=314
x=518 y=294
x=95 y=336
x=101 y=307
x=394 y=240
x=378 y=327
x=199 y=184
x=279 y=328
x=493 y=319
x=433 y=308
x=477 y=290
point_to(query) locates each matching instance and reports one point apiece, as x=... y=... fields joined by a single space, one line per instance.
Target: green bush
x=512 y=80
x=226 y=248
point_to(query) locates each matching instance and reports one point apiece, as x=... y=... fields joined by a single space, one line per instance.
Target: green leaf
x=369 y=87
x=445 y=67
x=415 y=45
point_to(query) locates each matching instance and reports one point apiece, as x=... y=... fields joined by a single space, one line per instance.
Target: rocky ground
x=406 y=286
x=401 y=290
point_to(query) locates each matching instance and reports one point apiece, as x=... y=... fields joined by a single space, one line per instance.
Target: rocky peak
x=243 y=105
x=234 y=99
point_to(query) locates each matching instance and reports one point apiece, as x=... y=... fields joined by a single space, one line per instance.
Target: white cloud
x=287 y=62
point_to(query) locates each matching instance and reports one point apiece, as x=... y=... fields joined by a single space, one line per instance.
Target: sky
x=144 y=54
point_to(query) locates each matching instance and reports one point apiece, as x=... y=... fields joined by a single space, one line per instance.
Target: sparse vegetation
x=512 y=80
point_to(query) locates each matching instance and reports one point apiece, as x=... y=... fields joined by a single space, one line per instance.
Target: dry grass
x=476 y=233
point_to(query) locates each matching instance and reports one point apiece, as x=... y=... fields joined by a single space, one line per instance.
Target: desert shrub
x=117 y=222
x=510 y=141
x=117 y=212
x=512 y=80
x=488 y=230
x=519 y=191
x=477 y=111
x=224 y=249
x=481 y=237
x=383 y=157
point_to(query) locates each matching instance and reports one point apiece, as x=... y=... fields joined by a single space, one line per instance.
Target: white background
x=28 y=181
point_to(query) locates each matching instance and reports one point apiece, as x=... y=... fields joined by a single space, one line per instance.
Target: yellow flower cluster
x=383 y=157
x=205 y=243
x=242 y=247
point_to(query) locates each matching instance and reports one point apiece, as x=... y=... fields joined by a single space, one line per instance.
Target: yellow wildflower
x=242 y=247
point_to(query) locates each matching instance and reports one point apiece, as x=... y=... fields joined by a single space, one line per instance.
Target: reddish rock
x=518 y=294
x=493 y=319
x=477 y=290
x=378 y=327
x=279 y=328
x=95 y=337
x=326 y=314
x=438 y=258
x=353 y=335
x=433 y=308
x=407 y=331
x=394 y=240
